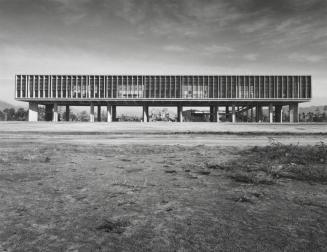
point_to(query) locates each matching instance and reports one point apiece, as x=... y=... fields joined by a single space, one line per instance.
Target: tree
x=2 y=116
x=21 y=115
x=83 y=116
x=9 y=114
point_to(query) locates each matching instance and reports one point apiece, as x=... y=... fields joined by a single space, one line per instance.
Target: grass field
x=80 y=188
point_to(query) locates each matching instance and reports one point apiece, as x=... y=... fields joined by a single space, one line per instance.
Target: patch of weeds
x=253 y=178
x=112 y=226
x=28 y=157
x=264 y=165
x=121 y=181
x=286 y=154
x=309 y=202
x=170 y=171
x=125 y=160
x=315 y=173
x=216 y=167
x=123 y=203
x=246 y=197
x=134 y=170
x=191 y=176
x=203 y=172
x=115 y=194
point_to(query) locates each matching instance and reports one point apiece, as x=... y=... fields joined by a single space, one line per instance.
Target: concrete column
x=291 y=113
x=48 y=112
x=55 y=113
x=294 y=113
x=180 y=113
x=33 y=112
x=145 y=113
x=227 y=113
x=109 y=114
x=212 y=115
x=233 y=114
x=92 y=113
x=271 y=113
x=251 y=114
x=114 y=113
x=279 y=113
x=67 y=113
x=247 y=115
x=99 y=114
x=216 y=116
x=259 y=113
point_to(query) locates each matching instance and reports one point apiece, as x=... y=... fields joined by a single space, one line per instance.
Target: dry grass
x=63 y=197
x=265 y=165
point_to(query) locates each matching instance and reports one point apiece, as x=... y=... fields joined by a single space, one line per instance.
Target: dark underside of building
x=237 y=94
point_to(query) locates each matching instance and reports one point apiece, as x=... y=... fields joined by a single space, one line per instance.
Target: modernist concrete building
x=237 y=94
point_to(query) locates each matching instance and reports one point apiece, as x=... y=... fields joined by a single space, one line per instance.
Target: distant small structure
x=193 y=115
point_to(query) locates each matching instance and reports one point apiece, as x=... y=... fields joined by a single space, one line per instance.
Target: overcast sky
x=163 y=37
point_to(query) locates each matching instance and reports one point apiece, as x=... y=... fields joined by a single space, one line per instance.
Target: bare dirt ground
x=136 y=187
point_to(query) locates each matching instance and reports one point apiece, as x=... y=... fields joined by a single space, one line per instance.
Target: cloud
x=256 y=26
x=250 y=56
x=174 y=48
x=218 y=49
x=306 y=58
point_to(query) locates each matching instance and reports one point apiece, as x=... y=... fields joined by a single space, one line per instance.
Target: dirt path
x=169 y=139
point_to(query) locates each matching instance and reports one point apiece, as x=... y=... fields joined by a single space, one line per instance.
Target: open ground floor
x=227 y=112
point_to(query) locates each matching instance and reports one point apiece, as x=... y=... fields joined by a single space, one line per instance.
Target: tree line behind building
x=310 y=114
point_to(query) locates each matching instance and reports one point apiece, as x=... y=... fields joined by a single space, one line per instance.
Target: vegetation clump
x=111 y=226
x=264 y=165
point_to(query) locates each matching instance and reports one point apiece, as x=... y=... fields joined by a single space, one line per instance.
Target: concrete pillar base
x=145 y=113
x=99 y=114
x=233 y=114
x=259 y=113
x=92 y=113
x=216 y=115
x=251 y=119
x=109 y=114
x=67 y=114
x=212 y=116
x=294 y=113
x=114 y=113
x=55 y=113
x=227 y=113
x=271 y=113
x=180 y=113
x=33 y=109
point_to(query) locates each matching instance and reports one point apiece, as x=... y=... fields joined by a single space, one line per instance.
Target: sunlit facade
x=162 y=87
x=238 y=92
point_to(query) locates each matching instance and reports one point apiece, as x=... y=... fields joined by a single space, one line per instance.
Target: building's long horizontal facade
x=162 y=87
x=244 y=91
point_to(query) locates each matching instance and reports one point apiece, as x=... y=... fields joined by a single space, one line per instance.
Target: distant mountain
x=313 y=109
x=4 y=105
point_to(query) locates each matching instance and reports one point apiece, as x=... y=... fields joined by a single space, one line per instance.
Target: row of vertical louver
x=162 y=87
